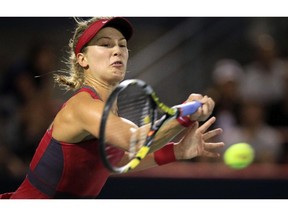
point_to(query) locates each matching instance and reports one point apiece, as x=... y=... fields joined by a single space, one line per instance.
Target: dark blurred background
x=241 y=62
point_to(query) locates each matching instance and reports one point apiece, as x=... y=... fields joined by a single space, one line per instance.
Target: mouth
x=117 y=64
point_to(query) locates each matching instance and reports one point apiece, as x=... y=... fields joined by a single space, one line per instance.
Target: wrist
x=165 y=155
x=185 y=121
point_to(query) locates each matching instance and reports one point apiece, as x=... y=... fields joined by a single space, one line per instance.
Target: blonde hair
x=74 y=78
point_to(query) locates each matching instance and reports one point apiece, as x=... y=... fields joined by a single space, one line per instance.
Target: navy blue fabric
x=50 y=168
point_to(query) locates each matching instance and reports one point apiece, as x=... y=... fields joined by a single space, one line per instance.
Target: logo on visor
x=105 y=21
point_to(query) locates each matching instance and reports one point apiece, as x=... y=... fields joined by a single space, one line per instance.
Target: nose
x=116 y=50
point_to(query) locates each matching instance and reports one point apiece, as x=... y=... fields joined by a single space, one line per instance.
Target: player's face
x=107 y=55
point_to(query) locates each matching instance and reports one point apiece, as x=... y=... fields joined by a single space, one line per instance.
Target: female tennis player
x=66 y=163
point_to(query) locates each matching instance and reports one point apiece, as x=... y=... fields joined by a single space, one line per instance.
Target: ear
x=81 y=59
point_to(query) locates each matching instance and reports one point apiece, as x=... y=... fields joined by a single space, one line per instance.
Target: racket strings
x=134 y=105
x=134 y=110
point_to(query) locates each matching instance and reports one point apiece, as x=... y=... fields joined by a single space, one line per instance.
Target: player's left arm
x=194 y=143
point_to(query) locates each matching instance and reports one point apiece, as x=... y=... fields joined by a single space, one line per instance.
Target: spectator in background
x=264 y=83
x=30 y=99
x=243 y=119
x=226 y=76
x=253 y=129
x=263 y=80
x=10 y=164
x=278 y=116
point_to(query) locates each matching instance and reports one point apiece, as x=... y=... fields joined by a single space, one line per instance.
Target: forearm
x=166 y=133
x=169 y=131
x=161 y=151
x=160 y=157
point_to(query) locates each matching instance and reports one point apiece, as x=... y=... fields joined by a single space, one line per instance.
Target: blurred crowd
x=251 y=104
x=27 y=108
x=252 y=101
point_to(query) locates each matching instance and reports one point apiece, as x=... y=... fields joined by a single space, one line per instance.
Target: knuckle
x=195 y=96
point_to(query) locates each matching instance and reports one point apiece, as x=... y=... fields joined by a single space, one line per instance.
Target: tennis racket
x=135 y=101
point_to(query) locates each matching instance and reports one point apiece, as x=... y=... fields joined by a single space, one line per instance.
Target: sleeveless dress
x=65 y=170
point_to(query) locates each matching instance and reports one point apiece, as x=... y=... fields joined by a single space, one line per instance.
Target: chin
x=117 y=79
x=119 y=75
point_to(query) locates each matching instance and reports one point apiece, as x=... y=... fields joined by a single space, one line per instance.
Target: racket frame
x=169 y=113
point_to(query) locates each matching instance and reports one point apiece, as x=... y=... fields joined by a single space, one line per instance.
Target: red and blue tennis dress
x=65 y=170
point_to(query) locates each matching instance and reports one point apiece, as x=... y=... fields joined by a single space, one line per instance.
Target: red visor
x=119 y=23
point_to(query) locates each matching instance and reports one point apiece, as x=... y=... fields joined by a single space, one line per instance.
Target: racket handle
x=188 y=108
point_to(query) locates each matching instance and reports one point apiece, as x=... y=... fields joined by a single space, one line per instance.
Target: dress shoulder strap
x=89 y=90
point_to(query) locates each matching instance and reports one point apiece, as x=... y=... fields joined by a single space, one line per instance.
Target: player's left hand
x=196 y=142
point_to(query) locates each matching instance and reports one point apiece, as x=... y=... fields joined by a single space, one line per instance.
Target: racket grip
x=188 y=108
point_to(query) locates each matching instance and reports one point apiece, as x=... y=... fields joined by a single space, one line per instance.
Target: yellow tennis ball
x=239 y=155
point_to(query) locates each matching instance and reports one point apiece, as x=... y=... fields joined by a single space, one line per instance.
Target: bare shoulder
x=82 y=101
x=78 y=111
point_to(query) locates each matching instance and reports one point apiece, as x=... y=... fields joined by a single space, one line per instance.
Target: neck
x=102 y=88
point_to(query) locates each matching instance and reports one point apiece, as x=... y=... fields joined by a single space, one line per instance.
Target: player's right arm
x=80 y=119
